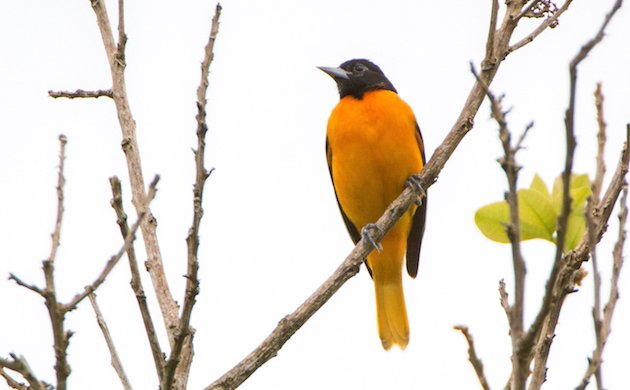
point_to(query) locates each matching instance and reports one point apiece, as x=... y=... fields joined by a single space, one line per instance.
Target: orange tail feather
x=393 y=326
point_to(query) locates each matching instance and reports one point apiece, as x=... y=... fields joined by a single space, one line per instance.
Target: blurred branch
x=136 y=280
x=79 y=93
x=544 y=325
x=603 y=325
x=184 y=336
x=472 y=356
x=600 y=169
x=520 y=363
x=110 y=343
x=12 y=383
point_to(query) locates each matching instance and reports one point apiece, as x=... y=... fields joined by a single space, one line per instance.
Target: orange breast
x=374 y=145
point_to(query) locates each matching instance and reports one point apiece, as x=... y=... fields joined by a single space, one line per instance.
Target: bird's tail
x=393 y=326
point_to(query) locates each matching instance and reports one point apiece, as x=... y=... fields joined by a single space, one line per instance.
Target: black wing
x=414 y=240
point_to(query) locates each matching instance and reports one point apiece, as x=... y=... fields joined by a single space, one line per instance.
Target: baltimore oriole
x=373 y=145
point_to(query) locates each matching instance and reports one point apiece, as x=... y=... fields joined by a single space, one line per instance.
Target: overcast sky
x=272 y=232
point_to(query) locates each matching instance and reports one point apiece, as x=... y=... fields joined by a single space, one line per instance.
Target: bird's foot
x=366 y=232
x=414 y=183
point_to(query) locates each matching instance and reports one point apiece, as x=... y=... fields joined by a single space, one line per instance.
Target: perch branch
x=350 y=266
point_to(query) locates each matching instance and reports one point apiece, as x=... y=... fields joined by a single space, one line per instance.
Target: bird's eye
x=360 y=68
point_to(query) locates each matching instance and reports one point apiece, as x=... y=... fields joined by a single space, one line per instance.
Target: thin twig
x=472 y=356
x=110 y=343
x=136 y=280
x=79 y=93
x=549 y=22
x=111 y=263
x=185 y=333
x=600 y=165
x=61 y=180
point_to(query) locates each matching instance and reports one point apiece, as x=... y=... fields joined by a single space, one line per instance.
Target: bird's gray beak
x=335 y=73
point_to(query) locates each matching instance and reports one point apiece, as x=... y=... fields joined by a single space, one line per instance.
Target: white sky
x=272 y=232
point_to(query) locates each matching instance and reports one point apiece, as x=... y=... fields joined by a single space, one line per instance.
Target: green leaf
x=538 y=212
x=539 y=185
x=491 y=220
x=579 y=190
x=536 y=216
x=575 y=229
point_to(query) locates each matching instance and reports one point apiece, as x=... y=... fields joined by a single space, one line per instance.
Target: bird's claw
x=414 y=183
x=368 y=236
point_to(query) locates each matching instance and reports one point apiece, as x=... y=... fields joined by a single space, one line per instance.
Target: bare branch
x=136 y=281
x=472 y=356
x=110 y=343
x=79 y=93
x=20 y=365
x=185 y=333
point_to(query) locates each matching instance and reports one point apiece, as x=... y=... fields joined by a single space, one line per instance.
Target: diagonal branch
x=136 y=281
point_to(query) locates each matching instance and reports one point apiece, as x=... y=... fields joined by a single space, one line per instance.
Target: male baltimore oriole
x=373 y=146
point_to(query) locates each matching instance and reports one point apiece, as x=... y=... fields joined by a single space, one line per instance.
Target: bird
x=373 y=147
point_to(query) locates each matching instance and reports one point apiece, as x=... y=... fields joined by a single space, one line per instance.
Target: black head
x=356 y=77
